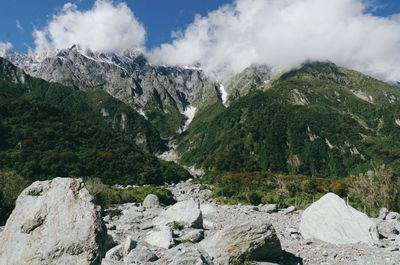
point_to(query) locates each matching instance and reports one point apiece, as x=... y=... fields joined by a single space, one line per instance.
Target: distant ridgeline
x=48 y=130
x=319 y=120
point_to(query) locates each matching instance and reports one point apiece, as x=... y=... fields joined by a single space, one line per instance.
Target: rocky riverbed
x=137 y=221
x=55 y=222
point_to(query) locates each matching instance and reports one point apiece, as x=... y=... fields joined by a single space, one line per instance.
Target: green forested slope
x=40 y=141
x=92 y=104
x=318 y=120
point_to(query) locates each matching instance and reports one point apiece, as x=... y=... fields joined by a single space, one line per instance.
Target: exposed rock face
x=154 y=91
x=54 y=222
x=250 y=79
x=150 y=201
x=329 y=219
x=253 y=239
x=186 y=213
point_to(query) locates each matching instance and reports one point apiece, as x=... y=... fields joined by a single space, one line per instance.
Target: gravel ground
x=136 y=221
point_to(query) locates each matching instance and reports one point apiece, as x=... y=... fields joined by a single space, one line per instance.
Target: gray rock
x=192 y=236
x=185 y=213
x=139 y=255
x=289 y=210
x=186 y=255
x=383 y=212
x=389 y=229
x=151 y=201
x=329 y=219
x=161 y=238
x=54 y=222
x=190 y=256
x=129 y=78
x=393 y=216
x=115 y=253
x=249 y=239
x=269 y=208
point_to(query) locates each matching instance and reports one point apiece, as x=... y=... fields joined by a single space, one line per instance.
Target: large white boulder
x=54 y=222
x=330 y=220
x=161 y=238
x=252 y=239
x=186 y=213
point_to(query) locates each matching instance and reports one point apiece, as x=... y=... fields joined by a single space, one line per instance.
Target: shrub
x=376 y=189
x=106 y=195
x=11 y=185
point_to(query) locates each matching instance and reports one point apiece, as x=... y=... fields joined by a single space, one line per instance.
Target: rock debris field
x=195 y=230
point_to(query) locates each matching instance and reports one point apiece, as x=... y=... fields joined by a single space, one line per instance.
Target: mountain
x=41 y=141
x=167 y=96
x=252 y=78
x=319 y=120
x=92 y=104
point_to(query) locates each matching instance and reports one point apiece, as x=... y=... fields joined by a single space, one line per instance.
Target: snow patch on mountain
x=224 y=95
x=190 y=112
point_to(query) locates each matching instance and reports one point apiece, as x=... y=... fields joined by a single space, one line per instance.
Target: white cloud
x=18 y=24
x=4 y=47
x=285 y=33
x=107 y=27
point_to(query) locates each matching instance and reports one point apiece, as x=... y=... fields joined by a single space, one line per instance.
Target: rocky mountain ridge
x=166 y=96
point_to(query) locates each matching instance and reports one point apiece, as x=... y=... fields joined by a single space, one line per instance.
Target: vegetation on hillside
x=11 y=185
x=319 y=120
x=92 y=104
x=368 y=192
x=40 y=141
x=106 y=195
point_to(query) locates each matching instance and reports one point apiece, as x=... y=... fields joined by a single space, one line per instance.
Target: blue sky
x=160 y=17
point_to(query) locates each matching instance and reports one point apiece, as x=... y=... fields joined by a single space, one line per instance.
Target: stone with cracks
x=54 y=222
x=162 y=238
x=186 y=213
x=253 y=239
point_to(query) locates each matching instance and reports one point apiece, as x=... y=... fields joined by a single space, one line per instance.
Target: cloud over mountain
x=284 y=33
x=106 y=27
x=4 y=47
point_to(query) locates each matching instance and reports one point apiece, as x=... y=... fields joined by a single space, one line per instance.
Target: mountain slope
x=40 y=141
x=92 y=104
x=318 y=120
x=163 y=94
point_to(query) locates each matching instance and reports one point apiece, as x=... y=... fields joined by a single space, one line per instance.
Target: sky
x=160 y=17
x=223 y=36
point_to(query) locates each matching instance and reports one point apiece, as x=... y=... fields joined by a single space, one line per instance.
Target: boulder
x=383 y=212
x=289 y=210
x=115 y=253
x=330 y=220
x=252 y=239
x=186 y=255
x=54 y=222
x=139 y=255
x=389 y=229
x=192 y=236
x=151 y=201
x=269 y=208
x=190 y=256
x=161 y=238
x=186 y=213
x=393 y=216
